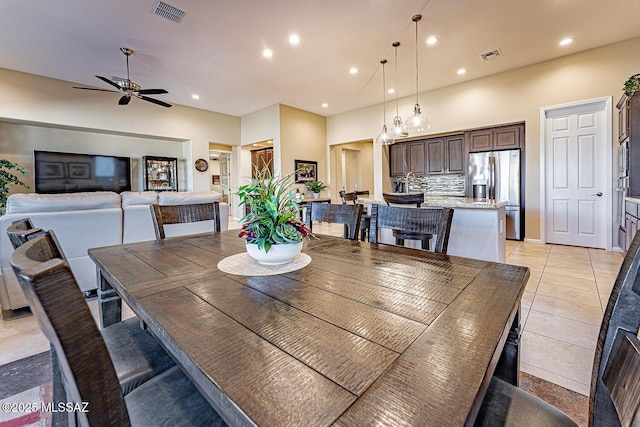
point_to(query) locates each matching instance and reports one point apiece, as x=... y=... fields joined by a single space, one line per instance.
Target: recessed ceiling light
x=461 y=71
x=353 y=70
x=392 y=90
x=432 y=40
x=566 y=41
x=194 y=96
x=267 y=53
x=325 y=105
x=294 y=39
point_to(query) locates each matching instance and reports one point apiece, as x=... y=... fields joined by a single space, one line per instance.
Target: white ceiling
x=216 y=50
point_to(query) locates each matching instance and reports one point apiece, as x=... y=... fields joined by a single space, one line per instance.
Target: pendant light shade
x=398 y=130
x=417 y=123
x=384 y=138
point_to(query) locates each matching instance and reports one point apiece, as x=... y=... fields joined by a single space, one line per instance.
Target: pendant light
x=417 y=123
x=398 y=130
x=384 y=138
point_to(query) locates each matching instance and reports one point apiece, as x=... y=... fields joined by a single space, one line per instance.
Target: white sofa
x=87 y=220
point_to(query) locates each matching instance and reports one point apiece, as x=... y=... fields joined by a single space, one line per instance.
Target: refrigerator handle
x=491 y=191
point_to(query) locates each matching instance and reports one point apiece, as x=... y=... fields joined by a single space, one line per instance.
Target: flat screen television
x=72 y=172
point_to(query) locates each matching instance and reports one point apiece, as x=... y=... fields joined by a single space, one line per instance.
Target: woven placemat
x=243 y=265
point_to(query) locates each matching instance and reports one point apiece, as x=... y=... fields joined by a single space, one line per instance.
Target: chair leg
x=425 y=243
x=399 y=242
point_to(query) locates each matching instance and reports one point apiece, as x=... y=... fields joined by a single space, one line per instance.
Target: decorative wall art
x=306 y=170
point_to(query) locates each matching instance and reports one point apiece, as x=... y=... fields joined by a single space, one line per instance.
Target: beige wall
x=508 y=97
x=303 y=136
x=30 y=99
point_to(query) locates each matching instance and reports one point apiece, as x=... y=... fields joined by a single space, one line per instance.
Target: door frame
x=607 y=103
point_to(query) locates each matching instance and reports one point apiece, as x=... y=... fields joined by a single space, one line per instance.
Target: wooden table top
x=364 y=335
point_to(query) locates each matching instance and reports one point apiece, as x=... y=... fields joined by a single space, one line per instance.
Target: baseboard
x=617 y=249
x=16 y=314
x=528 y=240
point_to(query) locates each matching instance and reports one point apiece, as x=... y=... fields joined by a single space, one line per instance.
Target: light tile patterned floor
x=561 y=310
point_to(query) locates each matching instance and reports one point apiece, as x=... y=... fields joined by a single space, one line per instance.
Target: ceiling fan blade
x=106 y=80
x=124 y=100
x=92 y=88
x=155 y=101
x=152 y=91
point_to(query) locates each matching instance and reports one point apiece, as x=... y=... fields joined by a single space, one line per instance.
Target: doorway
x=576 y=174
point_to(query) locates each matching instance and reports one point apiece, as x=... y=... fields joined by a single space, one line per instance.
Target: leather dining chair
x=399 y=234
x=84 y=360
x=349 y=215
x=182 y=214
x=419 y=221
x=615 y=378
x=365 y=219
x=136 y=355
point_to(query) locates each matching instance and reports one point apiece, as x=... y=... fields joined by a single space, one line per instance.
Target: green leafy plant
x=273 y=216
x=632 y=84
x=9 y=179
x=315 y=186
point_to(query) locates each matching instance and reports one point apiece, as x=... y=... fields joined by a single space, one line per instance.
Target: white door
x=577 y=188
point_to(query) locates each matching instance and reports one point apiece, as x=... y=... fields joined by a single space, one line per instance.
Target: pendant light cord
x=416 y=19
x=384 y=90
x=395 y=45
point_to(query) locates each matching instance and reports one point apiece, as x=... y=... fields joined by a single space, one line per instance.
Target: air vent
x=492 y=54
x=167 y=11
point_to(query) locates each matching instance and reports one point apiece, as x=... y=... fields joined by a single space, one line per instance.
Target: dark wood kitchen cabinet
x=629 y=108
x=405 y=157
x=445 y=154
x=499 y=138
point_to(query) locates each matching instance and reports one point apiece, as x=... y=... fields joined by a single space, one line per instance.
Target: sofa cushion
x=188 y=198
x=34 y=202
x=130 y=198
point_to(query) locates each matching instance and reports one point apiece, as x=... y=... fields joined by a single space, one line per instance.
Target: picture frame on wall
x=51 y=170
x=306 y=170
x=215 y=179
x=79 y=170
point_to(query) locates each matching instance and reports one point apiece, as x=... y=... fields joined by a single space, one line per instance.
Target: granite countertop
x=452 y=202
x=634 y=199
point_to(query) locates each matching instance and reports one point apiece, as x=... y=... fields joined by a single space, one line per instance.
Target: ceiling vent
x=492 y=54
x=167 y=11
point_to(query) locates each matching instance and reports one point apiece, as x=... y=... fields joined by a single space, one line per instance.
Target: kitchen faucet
x=406 y=181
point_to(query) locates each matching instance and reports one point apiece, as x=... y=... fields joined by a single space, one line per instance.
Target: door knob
x=599 y=194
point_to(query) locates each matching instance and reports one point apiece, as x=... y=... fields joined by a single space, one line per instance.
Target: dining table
x=355 y=334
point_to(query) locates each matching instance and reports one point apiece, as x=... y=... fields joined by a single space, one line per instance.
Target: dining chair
x=182 y=214
x=349 y=215
x=419 y=221
x=137 y=356
x=407 y=199
x=615 y=378
x=84 y=360
x=365 y=219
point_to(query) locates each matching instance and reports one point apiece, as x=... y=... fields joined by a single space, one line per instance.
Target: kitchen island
x=477 y=230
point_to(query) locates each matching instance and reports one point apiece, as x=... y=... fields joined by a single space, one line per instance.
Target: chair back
x=21 y=230
x=622 y=313
x=404 y=199
x=181 y=214
x=65 y=319
x=427 y=221
x=348 y=215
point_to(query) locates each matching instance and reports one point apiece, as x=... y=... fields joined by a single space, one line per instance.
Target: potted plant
x=8 y=179
x=631 y=85
x=315 y=187
x=272 y=227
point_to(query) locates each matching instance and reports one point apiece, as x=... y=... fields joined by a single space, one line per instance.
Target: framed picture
x=52 y=170
x=215 y=179
x=79 y=170
x=306 y=170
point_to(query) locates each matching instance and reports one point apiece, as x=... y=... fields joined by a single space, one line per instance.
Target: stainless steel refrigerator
x=500 y=174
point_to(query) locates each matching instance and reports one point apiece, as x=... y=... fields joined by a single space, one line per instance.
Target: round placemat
x=243 y=265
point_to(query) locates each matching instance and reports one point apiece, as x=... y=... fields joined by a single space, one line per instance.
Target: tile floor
x=561 y=311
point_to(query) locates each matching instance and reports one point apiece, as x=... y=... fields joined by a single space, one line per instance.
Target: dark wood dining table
x=363 y=335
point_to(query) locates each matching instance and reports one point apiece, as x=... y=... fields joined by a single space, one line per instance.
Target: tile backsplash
x=451 y=185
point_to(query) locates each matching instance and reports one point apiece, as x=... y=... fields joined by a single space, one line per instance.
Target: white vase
x=278 y=254
x=316 y=195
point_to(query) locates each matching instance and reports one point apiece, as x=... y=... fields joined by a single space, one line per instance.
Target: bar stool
x=365 y=219
x=402 y=235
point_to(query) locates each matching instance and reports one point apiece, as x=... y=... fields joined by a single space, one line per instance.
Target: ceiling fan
x=129 y=88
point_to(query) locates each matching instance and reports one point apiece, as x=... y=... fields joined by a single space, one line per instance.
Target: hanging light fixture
x=398 y=130
x=417 y=123
x=384 y=138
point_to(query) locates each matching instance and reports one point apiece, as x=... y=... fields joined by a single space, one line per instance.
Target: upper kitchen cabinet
x=632 y=130
x=500 y=138
x=623 y=118
x=405 y=157
x=445 y=154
